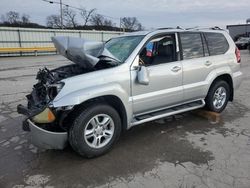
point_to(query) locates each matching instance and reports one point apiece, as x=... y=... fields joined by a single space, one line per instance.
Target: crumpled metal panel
x=81 y=51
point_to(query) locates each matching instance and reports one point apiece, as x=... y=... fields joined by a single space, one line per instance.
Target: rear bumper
x=46 y=139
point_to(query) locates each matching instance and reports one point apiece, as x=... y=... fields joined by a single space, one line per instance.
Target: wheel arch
x=111 y=100
x=227 y=78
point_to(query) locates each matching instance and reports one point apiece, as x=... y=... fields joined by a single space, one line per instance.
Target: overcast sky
x=151 y=13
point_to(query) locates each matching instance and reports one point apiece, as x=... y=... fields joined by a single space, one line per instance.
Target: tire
x=95 y=130
x=218 y=96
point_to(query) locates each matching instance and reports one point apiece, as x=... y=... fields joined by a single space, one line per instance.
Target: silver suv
x=131 y=79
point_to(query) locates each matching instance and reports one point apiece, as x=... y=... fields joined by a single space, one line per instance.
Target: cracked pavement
x=182 y=151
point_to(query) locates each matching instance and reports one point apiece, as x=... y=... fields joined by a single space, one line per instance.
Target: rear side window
x=217 y=43
x=191 y=45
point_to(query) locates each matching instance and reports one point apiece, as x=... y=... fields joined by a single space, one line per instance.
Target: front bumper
x=41 y=137
x=46 y=139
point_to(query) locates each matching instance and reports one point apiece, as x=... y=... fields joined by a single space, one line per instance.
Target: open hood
x=81 y=51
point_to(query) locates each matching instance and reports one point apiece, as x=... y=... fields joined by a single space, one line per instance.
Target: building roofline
x=238 y=25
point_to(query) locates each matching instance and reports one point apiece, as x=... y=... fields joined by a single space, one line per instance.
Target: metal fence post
x=19 y=40
x=102 y=36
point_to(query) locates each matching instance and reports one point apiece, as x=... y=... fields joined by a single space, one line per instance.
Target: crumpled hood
x=81 y=51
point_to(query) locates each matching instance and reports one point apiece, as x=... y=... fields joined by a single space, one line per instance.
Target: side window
x=217 y=43
x=159 y=50
x=191 y=45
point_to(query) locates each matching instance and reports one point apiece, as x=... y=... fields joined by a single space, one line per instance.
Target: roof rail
x=191 y=28
x=162 y=28
x=199 y=28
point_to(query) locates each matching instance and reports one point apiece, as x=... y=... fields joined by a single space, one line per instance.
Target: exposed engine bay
x=88 y=56
x=49 y=84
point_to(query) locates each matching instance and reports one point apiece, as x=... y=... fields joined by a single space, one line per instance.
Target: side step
x=168 y=112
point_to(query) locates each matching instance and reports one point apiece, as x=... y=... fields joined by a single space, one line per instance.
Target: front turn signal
x=46 y=116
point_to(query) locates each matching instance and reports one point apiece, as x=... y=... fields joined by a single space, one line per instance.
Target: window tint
x=217 y=43
x=159 y=50
x=191 y=45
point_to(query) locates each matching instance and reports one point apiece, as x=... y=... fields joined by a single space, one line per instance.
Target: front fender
x=79 y=96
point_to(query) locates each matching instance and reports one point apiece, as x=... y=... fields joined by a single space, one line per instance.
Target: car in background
x=243 y=42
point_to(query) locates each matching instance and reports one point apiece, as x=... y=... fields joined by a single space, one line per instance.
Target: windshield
x=122 y=47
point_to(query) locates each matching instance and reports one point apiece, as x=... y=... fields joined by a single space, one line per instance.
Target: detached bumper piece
x=47 y=139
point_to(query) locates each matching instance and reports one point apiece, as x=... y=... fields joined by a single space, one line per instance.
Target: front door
x=160 y=56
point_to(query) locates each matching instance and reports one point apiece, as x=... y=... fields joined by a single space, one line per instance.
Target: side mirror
x=143 y=75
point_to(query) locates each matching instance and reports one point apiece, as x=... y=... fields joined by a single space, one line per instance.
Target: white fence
x=11 y=37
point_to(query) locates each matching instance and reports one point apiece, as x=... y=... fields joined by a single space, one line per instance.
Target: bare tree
x=69 y=16
x=99 y=20
x=108 y=22
x=25 y=18
x=86 y=15
x=54 y=21
x=12 y=17
x=131 y=23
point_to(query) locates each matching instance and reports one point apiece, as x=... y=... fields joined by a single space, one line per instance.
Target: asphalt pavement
x=182 y=151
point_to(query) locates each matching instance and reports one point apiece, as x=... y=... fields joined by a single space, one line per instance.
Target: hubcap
x=99 y=131
x=219 y=98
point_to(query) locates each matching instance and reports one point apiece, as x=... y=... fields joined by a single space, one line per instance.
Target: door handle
x=176 y=69
x=208 y=63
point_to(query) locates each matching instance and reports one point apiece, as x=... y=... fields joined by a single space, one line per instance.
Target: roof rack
x=191 y=28
x=199 y=28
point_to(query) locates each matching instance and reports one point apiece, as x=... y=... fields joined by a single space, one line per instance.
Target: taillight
x=237 y=53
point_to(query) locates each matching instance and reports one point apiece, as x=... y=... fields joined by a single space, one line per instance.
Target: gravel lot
x=183 y=151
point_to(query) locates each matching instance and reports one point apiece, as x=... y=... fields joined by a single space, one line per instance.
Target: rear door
x=196 y=63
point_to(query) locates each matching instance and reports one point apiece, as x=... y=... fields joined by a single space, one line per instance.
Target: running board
x=168 y=112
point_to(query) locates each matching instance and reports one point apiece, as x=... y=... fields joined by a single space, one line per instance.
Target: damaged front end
x=46 y=123
x=42 y=120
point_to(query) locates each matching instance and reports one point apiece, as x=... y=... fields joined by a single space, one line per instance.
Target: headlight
x=54 y=89
x=46 y=116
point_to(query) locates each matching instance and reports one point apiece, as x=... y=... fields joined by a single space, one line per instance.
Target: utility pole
x=61 y=10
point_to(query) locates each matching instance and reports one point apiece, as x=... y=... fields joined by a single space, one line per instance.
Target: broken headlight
x=54 y=89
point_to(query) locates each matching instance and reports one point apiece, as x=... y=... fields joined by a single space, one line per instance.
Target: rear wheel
x=95 y=130
x=218 y=96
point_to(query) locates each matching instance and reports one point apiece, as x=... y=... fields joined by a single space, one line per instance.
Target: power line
x=81 y=9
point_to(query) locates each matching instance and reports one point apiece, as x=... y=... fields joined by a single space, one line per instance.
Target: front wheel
x=218 y=96
x=95 y=130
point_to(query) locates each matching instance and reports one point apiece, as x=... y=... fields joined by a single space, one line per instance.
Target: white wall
x=27 y=37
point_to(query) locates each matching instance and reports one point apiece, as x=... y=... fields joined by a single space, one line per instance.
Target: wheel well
x=111 y=100
x=227 y=78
